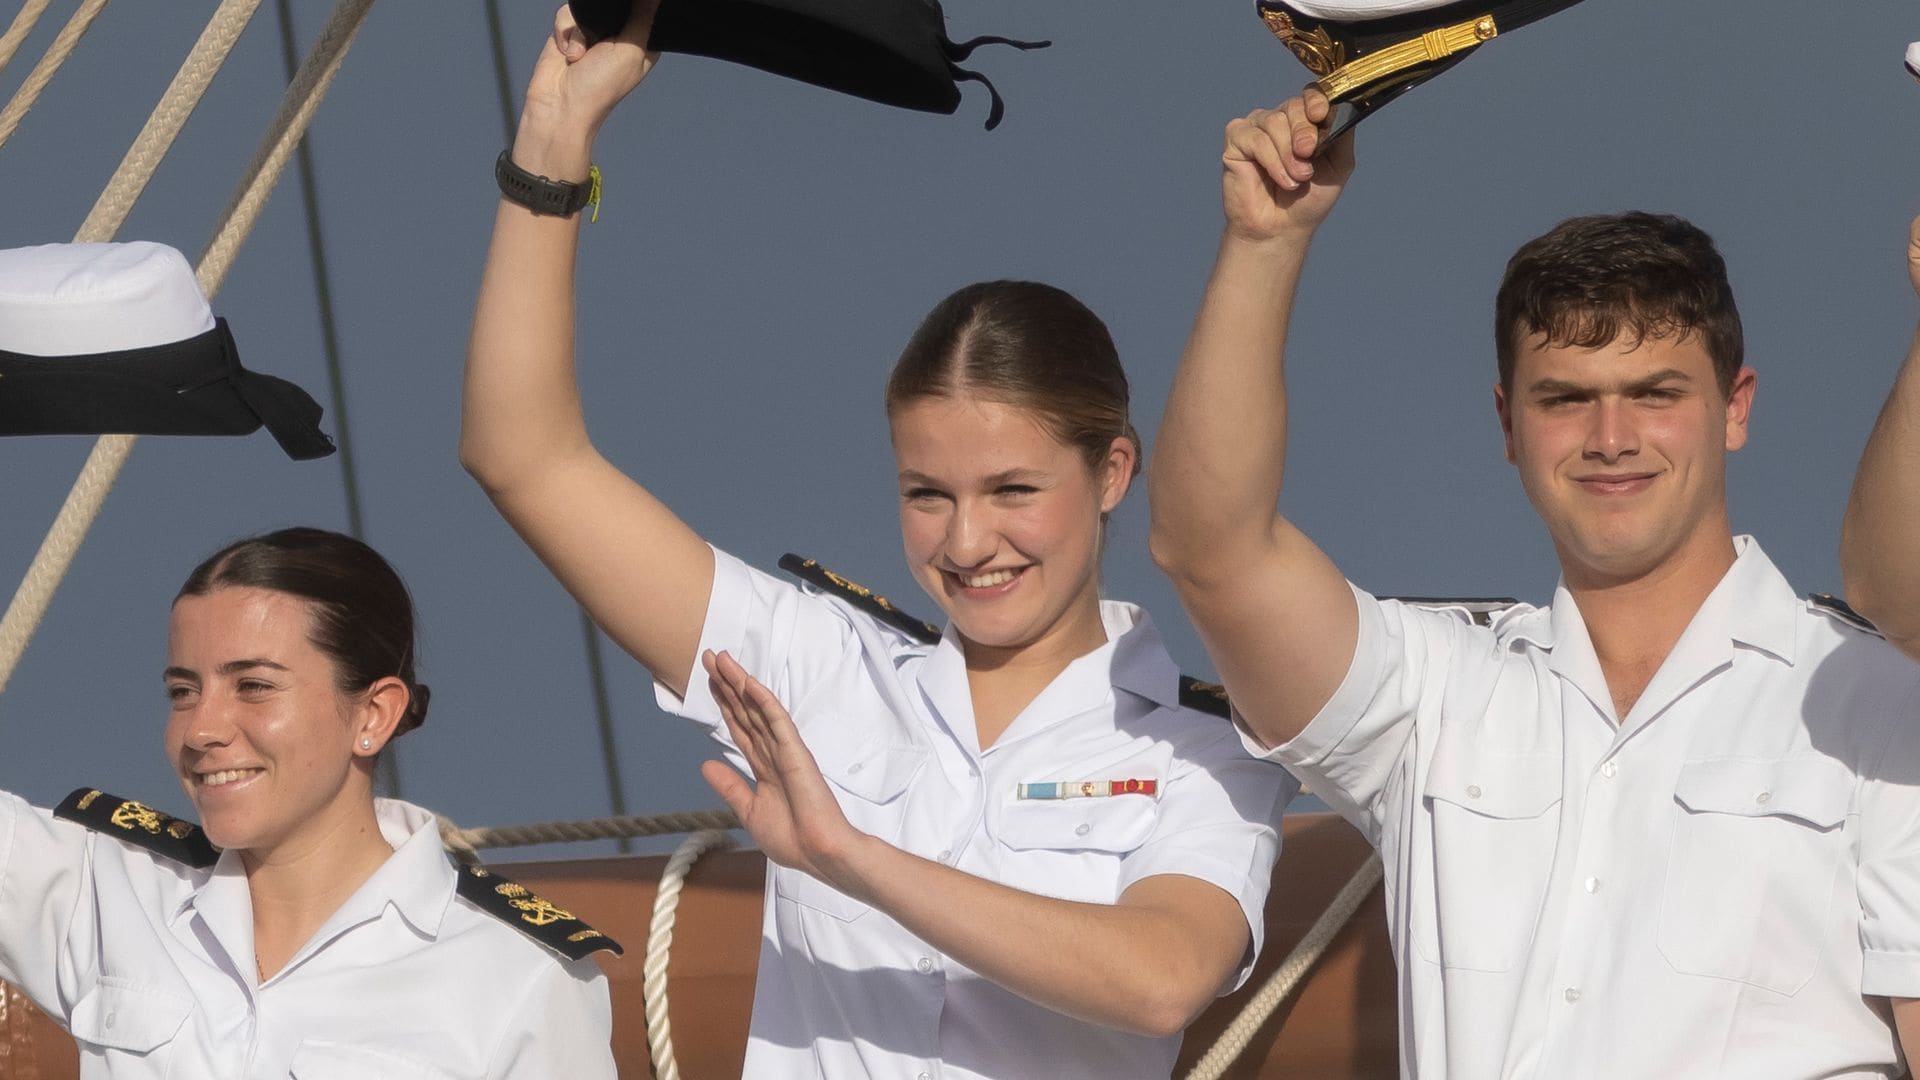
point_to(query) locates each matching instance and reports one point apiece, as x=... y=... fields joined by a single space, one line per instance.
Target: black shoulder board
x=1205 y=696
x=516 y=905
x=1480 y=610
x=139 y=825
x=861 y=597
x=1840 y=609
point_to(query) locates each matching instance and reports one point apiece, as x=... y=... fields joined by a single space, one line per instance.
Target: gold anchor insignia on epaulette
x=1315 y=48
x=541 y=912
x=853 y=587
x=132 y=815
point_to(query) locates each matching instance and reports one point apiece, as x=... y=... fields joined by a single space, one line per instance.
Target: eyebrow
x=231 y=667
x=1552 y=387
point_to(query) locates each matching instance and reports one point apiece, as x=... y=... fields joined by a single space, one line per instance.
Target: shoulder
x=861 y=599
x=1499 y=622
x=140 y=826
x=537 y=919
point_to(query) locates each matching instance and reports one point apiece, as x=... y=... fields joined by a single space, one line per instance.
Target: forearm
x=1221 y=453
x=521 y=410
x=1880 y=536
x=1144 y=969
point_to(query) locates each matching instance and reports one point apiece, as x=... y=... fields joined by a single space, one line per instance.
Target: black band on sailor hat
x=895 y=52
x=99 y=339
x=1368 y=52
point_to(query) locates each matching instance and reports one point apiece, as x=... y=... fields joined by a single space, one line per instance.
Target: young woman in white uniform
x=928 y=915
x=311 y=930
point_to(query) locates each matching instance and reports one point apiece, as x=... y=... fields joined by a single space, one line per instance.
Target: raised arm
x=639 y=570
x=1880 y=538
x=1275 y=614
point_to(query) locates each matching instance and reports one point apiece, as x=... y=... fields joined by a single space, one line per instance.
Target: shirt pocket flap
x=878 y=774
x=1816 y=790
x=131 y=1018
x=1113 y=823
x=1496 y=785
x=320 y=1059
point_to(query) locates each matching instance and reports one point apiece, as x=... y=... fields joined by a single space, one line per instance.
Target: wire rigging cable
x=90 y=488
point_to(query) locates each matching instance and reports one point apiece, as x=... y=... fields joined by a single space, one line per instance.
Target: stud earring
x=366 y=744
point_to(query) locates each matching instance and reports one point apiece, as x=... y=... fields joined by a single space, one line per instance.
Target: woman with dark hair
x=305 y=928
x=999 y=850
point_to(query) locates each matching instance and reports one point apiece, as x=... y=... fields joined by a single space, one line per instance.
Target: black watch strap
x=538 y=193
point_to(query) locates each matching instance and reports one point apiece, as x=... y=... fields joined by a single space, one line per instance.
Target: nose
x=1613 y=435
x=971 y=535
x=210 y=724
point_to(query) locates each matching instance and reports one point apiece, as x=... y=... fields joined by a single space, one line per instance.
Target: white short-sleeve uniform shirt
x=843 y=991
x=1720 y=884
x=150 y=964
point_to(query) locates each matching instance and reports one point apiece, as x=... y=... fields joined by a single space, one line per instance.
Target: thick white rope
x=103 y=465
x=465 y=843
x=1289 y=976
x=21 y=26
x=63 y=45
x=666 y=905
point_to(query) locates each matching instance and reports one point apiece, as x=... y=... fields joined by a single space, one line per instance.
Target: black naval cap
x=895 y=52
x=99 y=339
x=1368 y=52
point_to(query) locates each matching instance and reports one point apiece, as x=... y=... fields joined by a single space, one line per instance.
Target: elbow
x=1166 y=1011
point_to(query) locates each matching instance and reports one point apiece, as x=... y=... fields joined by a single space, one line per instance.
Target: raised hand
x=575 y=87
x=1272 y=184
x=789 y=809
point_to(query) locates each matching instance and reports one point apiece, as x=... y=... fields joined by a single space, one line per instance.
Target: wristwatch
x=539 y=194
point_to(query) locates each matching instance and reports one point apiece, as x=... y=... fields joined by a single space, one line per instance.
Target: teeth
x=988 y=581
x=225 y=776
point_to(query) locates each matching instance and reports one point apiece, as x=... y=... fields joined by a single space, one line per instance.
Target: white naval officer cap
x=1913 y=59
x=1368 y=52
x=117 y=338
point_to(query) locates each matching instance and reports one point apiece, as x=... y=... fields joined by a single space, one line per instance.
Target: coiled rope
x=666 y=903
x=109 y=455
x=1287 y=978
x=63 y=45
x=464 y=844
x=18 y=30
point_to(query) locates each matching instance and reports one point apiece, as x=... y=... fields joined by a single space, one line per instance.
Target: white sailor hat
x=117 y=339
x=1913 y=59
x=1368 y=52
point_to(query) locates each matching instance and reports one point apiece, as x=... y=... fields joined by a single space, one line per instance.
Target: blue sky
x=766 y=248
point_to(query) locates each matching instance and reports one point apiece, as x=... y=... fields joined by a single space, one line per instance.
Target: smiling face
x=260 y=734
x=1622 y=450
x=1001 y=521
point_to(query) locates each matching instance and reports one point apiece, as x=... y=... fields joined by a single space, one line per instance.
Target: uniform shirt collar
x=1752 y=605
x=417 y=880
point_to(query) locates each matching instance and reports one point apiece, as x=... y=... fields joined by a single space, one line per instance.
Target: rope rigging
x=67 y=40
x=17 y=31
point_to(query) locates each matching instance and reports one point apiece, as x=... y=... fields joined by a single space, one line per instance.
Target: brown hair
x=1028 y=345
x=362 y=615
x=1591 y=279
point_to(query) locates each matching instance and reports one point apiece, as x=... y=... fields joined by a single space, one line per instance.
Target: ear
x=1117 y=472
x=1504 y=409
x=377 y=714
x=1740 y=407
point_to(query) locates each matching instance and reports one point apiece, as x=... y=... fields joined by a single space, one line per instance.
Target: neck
x=1004 y=680
x=299 y=883
x=1634 y=621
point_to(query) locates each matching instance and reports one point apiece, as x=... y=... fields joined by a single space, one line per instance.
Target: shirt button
x=1763 y=798
x=945 y=855
x=1607 y=770
x=1573 y=995
x=924 y=1076
x=853 y=768
x=1592 y=884
x=111 y=1017
x=1473 y=791
x=926 y=965
x=1082 y=829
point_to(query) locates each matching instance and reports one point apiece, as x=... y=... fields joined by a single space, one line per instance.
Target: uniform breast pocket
x=870 y=782
x=1072 y=849
x=1757 y=847
x=1493 y=841
x=321 y=1059
x=120 y=1018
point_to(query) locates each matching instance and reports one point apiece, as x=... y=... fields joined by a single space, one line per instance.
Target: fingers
x=1282 y=141
x=567 y=35
x=732 y=788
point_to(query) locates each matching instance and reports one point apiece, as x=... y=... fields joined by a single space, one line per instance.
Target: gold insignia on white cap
x=82 y=299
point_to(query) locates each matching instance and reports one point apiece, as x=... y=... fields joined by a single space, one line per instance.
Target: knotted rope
x=18 y=30
x=63 y=45
x=1287 y=978
x=103 y=465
